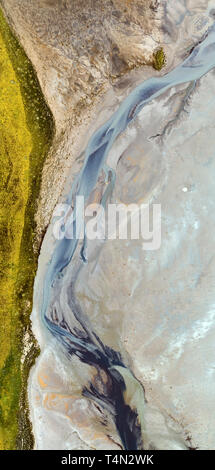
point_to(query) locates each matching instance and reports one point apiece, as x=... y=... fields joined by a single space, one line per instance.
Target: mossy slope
x=159 y=59
x=26 y=130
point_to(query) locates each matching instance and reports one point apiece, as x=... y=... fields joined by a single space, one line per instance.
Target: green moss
x=26 y=131
x=159 y=59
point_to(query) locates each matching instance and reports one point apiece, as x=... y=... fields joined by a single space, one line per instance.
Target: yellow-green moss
x=159 y=59
x=26 y=130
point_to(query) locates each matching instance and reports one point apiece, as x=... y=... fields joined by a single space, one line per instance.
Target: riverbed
x=126 y=332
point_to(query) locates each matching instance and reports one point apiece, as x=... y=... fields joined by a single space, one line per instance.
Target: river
x=127 y=318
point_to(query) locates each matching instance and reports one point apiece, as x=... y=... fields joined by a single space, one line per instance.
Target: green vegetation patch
x=159 y=59
x=26 y=132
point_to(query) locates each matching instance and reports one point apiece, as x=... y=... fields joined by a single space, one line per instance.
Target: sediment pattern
x=61 y=310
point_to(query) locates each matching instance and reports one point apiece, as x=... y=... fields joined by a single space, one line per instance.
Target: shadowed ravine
x=71 y=327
